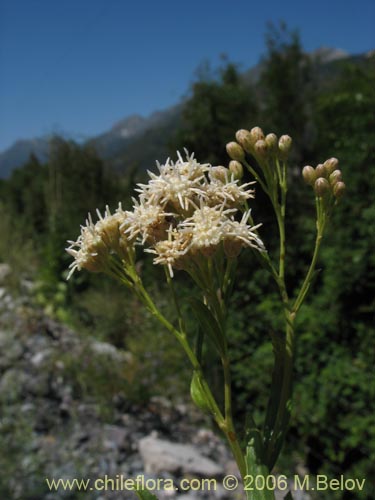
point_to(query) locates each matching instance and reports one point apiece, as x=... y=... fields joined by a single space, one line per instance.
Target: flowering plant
x=195 y=218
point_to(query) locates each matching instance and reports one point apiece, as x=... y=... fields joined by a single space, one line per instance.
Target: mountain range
x=123 y=142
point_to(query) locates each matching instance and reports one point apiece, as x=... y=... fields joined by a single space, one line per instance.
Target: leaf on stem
x=209 y=325
x=145 y=495
x=256 y=468
x=198 y=393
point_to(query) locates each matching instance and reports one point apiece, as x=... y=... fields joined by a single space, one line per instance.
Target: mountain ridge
x=122 y=137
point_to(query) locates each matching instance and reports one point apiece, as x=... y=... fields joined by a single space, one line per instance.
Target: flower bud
x=198 y=393
x=331 y=165
x=261 y=148
x=309 y=175
x=321 y=187
x=243 y=137
x=271 y=141
x=256 y=134
x=285 y=143
x=220 y=173
x=236 y=169
x=335 y=177
x=321 y=171
x=339 y=189
x=235 y=151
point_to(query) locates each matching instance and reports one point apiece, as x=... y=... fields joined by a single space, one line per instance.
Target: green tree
x=23 y=194
x=286 y=88
x=218 y=106
x=344 y=118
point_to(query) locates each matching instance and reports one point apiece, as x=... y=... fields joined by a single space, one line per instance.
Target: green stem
x=256 y=176
x=284 y=404
x=181 y=337
x=321 y=222
x=175 y=300
x=278 y=411
x=228 y=427
x=284 y=363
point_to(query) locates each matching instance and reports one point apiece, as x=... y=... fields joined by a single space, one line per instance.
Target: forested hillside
x=328 y=112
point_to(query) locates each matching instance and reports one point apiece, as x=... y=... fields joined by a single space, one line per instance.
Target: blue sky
x=78 y=66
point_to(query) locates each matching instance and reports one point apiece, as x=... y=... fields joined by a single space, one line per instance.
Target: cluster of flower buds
x=258 y=145
x=325 y=179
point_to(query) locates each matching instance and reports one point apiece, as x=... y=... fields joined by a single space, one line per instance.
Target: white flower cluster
x=95 y=243
x=185 y=211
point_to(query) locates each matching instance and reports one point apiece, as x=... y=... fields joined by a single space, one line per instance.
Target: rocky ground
x=53 y=426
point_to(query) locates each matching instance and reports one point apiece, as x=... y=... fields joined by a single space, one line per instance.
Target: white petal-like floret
x=88 y=251
x=185 y=210
x=229 y=192
x=243 y=232
x=206 y=225
x=95 y=243
x=171 y=251
x=145 y=219
x=179 y=184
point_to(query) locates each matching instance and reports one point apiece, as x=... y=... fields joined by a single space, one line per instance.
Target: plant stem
x=175 y=300
x=321 y=222
x=228 y=427
x=256 y=176
x=284 y=404
x=181 y=337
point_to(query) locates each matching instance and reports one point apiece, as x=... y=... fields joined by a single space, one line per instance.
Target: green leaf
x=145 y=495
x=255 y=467
x=209 y=324
x=278 y=344
x=197 y=392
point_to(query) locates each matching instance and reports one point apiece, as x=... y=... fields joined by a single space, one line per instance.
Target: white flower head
x=97 y=241
x=170 y=252
x=147 y=221
x=184 y=211
x=179 y=184
x=241 y=234
x=206 y=225
x=108 y=226
x=89 y=251
x=228 y=192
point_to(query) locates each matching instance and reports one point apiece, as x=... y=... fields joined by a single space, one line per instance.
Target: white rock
x=109 y=350
x=5 y=271
x=38 y=359
x=163 y=456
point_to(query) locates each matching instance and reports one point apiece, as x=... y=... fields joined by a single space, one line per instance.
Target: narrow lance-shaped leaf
x=209 y=324
x=256 y=468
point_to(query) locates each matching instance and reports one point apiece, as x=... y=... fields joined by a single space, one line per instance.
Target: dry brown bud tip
x=261 y=148
x=271 y=141
x=235 y=168
x=331 y=165
x=335 y=177
x=256 y=134
x=309 y=175
x=235 y=151
x=220 y=173
x=285 y=143
x=339 y=189
x=321 y=171
x=244 y=138
x=321 y=187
